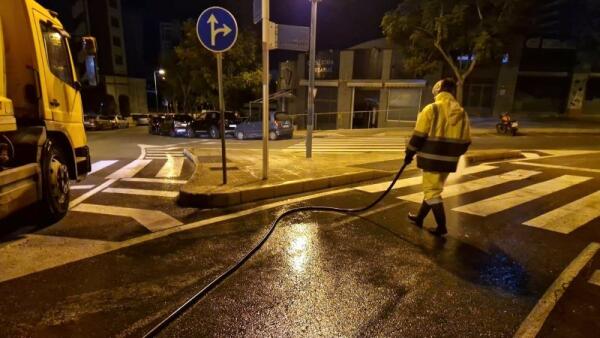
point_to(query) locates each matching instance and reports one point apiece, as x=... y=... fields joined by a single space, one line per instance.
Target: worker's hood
x=455 y=111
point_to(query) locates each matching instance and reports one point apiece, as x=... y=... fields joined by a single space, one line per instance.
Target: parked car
x=280 y=126
x=210 y=123
x=176 y=125
x=141 y=119
x=90 y=122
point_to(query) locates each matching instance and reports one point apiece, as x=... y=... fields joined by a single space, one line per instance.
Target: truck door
x=56 y=70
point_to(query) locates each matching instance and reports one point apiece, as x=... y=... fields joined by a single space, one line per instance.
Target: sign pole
x=265 y=80
x=222 y=111
x=311 y=79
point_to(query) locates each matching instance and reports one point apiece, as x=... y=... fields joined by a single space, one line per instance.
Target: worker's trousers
x=433 y=186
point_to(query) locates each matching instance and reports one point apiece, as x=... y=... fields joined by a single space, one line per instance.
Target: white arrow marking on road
x=97 y=166
x=514 y=198
x=570 y=217
x=151 y=219
x=130 y=170
x=143 y=192
x=225 y=30
x=172 y=168
x=479 y=184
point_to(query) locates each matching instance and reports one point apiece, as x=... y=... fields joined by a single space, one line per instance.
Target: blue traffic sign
x=217 y=29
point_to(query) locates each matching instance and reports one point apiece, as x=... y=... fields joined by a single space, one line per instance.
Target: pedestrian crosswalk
x=354 y=145
x=517 y=187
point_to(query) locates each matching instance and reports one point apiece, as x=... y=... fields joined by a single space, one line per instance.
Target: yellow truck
x=43 y=144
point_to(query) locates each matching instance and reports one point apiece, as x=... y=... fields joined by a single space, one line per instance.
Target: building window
x=119 y=60
x=403 y=104
x=113 y=4
x=115 y=22
x=116 y=41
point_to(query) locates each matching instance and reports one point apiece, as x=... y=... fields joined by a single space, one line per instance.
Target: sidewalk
x=484 y=125
x=290 y=173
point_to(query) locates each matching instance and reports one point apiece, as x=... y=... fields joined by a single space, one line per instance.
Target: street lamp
x=162 y=73
x=311 y=78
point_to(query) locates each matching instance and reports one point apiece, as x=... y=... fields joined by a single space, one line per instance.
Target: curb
x=242 y=196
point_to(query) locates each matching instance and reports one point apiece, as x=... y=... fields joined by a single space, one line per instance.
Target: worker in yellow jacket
x=442 y=135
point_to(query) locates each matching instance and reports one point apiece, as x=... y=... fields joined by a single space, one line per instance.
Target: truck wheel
x=239 y=135
x=55 y=184
x=214 y=132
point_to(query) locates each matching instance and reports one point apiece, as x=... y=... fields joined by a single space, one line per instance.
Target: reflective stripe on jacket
x=442 y=135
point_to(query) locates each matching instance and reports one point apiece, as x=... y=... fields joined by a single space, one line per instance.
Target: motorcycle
x=507 y=125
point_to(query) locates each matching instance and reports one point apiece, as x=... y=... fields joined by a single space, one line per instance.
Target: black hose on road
x=221 y=278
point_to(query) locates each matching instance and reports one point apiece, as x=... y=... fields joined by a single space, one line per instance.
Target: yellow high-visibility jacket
x=441 y=136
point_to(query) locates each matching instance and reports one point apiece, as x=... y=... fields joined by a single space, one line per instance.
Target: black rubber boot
x=440 y=219
x=418 y=218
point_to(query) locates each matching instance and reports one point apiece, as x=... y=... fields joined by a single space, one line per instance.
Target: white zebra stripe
x=570 y=217
x=517 y=197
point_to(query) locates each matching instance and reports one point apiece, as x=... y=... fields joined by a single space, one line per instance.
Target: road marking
x=514 y=198
x=143 y=192
x=407 y=182
x=172 y=168
x=570 y=217
x=535 y=320
x=90 y=193
x=151 y=219
x=154 y=180
x=130 y=170
x=553 y=166
x=595 y=279
x=475 y=185
x=97 y=166
x=16 y=264
x=82 y=187
x=531 y=155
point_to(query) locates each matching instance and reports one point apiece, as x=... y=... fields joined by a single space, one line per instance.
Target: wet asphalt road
x=320 y=274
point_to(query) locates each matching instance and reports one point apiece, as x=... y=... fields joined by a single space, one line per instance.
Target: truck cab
x=43 y=144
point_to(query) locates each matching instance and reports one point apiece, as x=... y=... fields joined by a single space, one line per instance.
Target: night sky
x=342 y=23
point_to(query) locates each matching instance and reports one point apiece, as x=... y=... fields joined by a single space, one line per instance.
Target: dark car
x=209 y=123
x=176 y=125
x=280 y=126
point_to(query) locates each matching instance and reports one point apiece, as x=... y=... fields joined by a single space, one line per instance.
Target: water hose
x=233 y=268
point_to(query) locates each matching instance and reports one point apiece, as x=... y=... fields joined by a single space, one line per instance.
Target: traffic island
x=289 y=173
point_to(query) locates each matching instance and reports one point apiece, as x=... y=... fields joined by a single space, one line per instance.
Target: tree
x=192 y=71
x=460 y=33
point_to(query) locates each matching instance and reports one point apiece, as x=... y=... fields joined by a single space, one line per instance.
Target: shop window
x=119 y=60
x=403 y=104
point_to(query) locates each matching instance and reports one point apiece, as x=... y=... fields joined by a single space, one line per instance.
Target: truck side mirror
x=89 y=45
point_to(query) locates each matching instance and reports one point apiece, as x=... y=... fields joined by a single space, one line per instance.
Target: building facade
x=118 y=92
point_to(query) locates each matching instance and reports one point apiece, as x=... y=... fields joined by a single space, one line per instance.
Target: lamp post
x=160 y=72
x=311 y=78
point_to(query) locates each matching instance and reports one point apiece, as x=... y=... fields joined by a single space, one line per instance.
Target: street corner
x=480 y=156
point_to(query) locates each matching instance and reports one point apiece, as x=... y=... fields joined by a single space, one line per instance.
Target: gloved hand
x=408 y=158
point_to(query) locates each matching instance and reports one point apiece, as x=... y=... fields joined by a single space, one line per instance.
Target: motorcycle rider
x=442 y=134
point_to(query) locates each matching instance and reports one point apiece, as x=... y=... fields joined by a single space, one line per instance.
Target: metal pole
x=222 y=110
x=265 y=81
x=311 y=79
x=156 y=92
